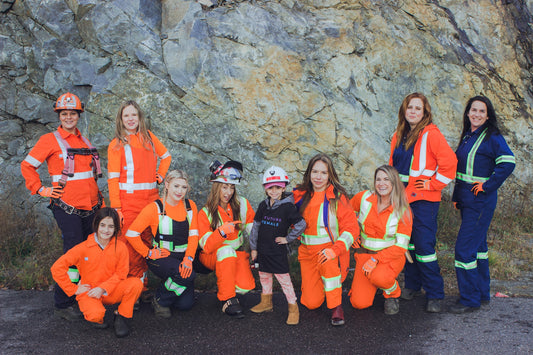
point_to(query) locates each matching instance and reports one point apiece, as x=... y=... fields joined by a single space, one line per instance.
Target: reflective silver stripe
x=189 y=219
x=193 y=232
x=390 y=290
x=421 y=157
x=242 y=213
x=466 y=266
x=443 y=178
x=174 y=287
x=331 y=283
x=130 y=168
x=165 y=155
x=308 y=239
x=164 y=244
x=241 y=291
x=136 y=187
x=61 y=146
x=180 y=248
x=411 y=246
x=483 y=255
x=364 y=209
x=203 y=240
x=224 y=252
x=468 y=175
x=32 y=161
x=165 y=224
x=505 y=159
x=376 y=244
x=404 y=178
x=402 y=240
x=235 y=243
x=347 y=239
x=470 y=178
x=132 y=234
x=113 y=175
x=73 y=274
x=77 y=176
x=426 y=258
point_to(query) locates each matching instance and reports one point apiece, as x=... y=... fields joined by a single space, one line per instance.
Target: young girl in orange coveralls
x=331 y=228
x=133 y=173
x=102 y=261
x=385 y=220
x=172 y=221
x=221 y=235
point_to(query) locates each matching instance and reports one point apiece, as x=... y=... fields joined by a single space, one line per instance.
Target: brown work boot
x=70 y=313
x=294 y=314
x=265 y=305
x=160 y=311
x=337 y=316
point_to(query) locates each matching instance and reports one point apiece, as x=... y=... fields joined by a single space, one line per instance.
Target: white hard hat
x=275 y=176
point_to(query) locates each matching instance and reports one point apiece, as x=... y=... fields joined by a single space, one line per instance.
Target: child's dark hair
x=103 y=213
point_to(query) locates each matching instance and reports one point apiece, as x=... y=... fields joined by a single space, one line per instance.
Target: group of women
x=394 y=221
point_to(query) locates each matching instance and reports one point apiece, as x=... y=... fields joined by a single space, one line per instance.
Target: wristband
x=222 y=233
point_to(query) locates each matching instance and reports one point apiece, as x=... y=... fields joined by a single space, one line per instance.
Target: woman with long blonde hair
x=172 y=221
x=385 y=220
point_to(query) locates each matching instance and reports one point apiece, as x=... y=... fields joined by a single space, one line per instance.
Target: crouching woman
x=102 y=261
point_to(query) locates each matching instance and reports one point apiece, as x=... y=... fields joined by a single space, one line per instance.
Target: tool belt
x=364 y=251
x=73 y=210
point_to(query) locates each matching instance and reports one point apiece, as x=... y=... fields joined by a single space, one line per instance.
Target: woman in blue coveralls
x=484 y=162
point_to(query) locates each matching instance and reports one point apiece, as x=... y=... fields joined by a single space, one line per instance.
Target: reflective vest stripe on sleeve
x=32 y=161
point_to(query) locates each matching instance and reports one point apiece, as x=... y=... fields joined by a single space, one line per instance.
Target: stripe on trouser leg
x=331 y=283
x=174 y=287
x=483 y=255
x=389 y=290
x=241 y=291
x=467 y=266
x=426 y=258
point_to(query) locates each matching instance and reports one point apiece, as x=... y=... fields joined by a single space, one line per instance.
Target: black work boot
x=232 y=308
x=121 y=328
x=70 y=313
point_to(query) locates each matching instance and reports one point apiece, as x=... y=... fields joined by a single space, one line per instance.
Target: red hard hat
x=68 y=101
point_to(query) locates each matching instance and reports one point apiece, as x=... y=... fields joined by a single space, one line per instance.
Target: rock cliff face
x=263 y=82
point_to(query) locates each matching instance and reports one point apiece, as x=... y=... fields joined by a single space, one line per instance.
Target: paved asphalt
x=27 y=326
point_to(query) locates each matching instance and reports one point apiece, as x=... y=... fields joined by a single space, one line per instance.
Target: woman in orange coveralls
x=172 y=221
x=330 y=232
x=385 y=220
x=221 y=235
x=102 y=261
x=133 y=173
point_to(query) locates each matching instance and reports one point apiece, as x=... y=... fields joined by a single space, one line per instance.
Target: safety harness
x=168 y=235
x=68 y=154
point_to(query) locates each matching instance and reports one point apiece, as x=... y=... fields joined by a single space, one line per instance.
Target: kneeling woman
x=385 y=220
x=173 y=223
x=102 y=261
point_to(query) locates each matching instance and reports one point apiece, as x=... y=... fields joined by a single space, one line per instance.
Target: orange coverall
x=321 y=281
x=105 y=268
x=81 y=190
x=388 y=237
x=232 y=267
x=132 y=170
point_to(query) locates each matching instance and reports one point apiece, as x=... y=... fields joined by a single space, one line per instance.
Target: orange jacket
x=380 y=231
x=98 y=268
x=149 y=217
x=211 y=240
x=81 y=190
x=342 y=226
x=433 y=160
x=132 y=168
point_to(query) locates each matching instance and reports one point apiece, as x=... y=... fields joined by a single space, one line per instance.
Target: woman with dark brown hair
x=426 y=164
x=330 y=231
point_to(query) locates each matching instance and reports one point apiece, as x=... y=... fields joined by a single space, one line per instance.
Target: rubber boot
x=294 y=314
x=265 y=305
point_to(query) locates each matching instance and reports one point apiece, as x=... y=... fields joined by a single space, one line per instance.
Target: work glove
x=157 y=253
x=326 y=255
x=53 y=192
x=422 y=184
x=159 y=178
x=369 y=266
x=186 y=267
x=227 y=228
x=478 y=187
x=120 y=216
